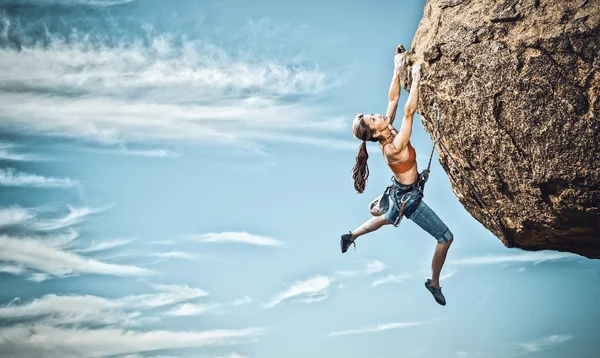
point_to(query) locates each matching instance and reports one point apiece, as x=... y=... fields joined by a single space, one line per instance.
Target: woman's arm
x=401 y=140
x=394 y=93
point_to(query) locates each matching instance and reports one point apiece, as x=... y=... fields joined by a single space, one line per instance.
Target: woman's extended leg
x=368 y=226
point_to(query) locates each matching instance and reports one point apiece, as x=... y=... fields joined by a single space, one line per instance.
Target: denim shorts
x=421 y=214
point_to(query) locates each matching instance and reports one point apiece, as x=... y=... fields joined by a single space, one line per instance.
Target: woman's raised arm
x=394 y=93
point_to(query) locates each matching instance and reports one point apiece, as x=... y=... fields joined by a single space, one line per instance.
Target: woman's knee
x=446 y=238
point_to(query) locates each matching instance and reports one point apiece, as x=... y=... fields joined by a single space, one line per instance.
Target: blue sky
x=175 y=176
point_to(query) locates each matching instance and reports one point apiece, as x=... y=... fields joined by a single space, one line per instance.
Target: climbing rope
x=436 y=140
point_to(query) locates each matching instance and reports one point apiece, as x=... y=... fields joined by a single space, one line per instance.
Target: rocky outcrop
x=518 y=86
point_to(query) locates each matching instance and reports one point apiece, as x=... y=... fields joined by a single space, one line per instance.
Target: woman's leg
x=427 y=219
x=439 y=257
x=370 y=225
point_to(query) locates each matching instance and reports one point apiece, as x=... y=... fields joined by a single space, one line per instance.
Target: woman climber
x=404 y=196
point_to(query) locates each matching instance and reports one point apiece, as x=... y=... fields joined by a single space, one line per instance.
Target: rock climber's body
x=401 y=158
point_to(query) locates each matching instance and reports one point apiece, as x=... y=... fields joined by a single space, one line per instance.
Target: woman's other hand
x=416 y=72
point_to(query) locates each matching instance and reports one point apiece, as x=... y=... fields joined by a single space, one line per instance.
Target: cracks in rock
x=496 y=112
x=552 y=187
x=506 y=12
x=452 y=3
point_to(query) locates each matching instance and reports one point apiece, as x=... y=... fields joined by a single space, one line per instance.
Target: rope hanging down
x=437 y=139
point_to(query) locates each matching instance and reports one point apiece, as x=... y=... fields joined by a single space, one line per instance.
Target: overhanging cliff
x=518 y=87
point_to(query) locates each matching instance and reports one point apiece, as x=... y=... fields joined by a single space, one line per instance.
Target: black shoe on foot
x=436 y=292
x=346 y=241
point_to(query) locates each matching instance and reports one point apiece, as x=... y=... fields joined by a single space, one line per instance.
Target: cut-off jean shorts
x=421 y=214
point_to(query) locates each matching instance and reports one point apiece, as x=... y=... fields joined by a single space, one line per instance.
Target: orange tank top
x=403 y=167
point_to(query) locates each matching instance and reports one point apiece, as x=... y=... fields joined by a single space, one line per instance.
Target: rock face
x=518 y=87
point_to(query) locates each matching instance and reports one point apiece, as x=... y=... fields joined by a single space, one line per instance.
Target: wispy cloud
x=42 y=257
x=14 y=216
x=75 y=216
x=378 y=328
x=545 y=343
x=534 y=256
x=309 y=291
x=10 y=177
x=174 y=255
x=103 y=245
x=236 y=237
x=232 y=355
x=447 y=273
x=150 y=153
x=164 y=242
x=165 y=88
x=194 y=309
x=7 y=153
x=93 y=310
x=372 y=267
x=146 y=356
x=242 y=301
x=391 y=278
x=17 y=157
x=39 y=340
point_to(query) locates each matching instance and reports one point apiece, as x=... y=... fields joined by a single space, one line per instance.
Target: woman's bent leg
x=369 y=226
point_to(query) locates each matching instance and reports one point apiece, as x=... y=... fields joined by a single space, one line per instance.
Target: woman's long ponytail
x=360 y=171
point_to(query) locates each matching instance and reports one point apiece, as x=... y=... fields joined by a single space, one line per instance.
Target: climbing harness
x=480 y=202
x=397 y=189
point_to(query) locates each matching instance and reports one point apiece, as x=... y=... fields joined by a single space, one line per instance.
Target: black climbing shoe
x=436 y=292
x=346 y=241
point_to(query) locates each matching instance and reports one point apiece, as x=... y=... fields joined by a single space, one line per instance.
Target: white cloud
x=447 y=273
x=7 y=155
x=194 y=309
x=391 y=278
x=171 y=294
x=237 y=237
x=58 y=241
x=534 y=256
x=242 y=301
x=39 y=340
x=145 y=356
x=75 y=215
x=151 y=153
x=9 y=177
x=174 y=255
x=311 y=290
x=71 y=310
x=232 y=355
x=14 y=270
x=378 y=328
x=61 y=310
x=544 y=343
x=163 y=242
x=104 y=245
x=14 y=216
x=165 y=88
x=372 y=267
x=36 y=255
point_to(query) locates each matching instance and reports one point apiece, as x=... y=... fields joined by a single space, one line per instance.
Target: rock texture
x=518 y=86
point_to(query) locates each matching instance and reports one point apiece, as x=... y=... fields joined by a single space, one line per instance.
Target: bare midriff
x=403 y=164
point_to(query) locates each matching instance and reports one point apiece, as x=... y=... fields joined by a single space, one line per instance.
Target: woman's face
x=377 y=122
